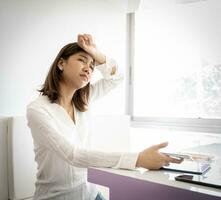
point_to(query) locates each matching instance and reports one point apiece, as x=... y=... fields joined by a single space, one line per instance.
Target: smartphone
x=200 y=180
x=179 y=156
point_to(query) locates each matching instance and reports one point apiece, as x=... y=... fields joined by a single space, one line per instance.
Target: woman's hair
x=50 y=87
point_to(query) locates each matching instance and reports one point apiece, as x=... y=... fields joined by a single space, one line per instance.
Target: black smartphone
x=200 y=180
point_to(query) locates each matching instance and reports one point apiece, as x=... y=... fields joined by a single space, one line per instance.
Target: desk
x=151 y=185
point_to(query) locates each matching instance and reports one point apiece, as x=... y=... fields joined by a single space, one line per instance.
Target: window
x=177 y=66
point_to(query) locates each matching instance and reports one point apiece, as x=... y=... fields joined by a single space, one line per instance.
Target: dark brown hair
x=50 y=87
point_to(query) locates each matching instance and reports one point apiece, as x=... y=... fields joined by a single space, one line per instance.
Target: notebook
x=192 y=167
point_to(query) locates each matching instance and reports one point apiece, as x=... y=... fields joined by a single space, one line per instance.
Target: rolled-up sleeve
x=112 y=77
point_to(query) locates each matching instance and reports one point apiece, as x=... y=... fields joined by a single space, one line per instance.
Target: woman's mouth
x=84 y=77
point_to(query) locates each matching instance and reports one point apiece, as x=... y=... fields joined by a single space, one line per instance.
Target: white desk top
x=167 y=178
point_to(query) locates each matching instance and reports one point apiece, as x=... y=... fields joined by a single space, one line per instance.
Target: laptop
x=192 y=167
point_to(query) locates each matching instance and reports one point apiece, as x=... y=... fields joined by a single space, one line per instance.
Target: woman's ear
x=61 y=64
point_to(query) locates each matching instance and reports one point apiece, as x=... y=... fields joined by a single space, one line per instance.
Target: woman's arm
x=108 y=68
x=46 y=134
x=109 y=81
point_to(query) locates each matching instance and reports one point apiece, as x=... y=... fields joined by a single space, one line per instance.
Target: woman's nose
x=86 y=69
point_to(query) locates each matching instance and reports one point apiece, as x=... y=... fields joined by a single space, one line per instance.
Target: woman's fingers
x=80 y=39
x=86 y=39
x=168 y=159
x=89 y=38
x=172 y=160
x=161 y=145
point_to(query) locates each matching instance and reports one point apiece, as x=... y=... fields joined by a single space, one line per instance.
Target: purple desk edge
x=128 y=188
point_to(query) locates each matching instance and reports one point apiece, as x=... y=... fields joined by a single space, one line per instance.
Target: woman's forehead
x=85 y=55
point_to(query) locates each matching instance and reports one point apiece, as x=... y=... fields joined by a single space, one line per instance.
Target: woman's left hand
x=85 y=41
x=151 y=158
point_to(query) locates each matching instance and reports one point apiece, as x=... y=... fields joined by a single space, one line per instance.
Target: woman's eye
x=92 y=67
x=82 y=60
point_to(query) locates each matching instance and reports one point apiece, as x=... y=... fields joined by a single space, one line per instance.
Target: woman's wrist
x=138 y=161
x=99 y=57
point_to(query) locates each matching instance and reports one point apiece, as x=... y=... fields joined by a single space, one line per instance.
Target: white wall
x=32 y=33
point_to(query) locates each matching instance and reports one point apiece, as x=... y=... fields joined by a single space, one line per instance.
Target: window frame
x=182 y=124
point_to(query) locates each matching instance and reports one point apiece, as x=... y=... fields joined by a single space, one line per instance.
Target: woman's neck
x=66 y=95
x=66 y=103
x=65 y=100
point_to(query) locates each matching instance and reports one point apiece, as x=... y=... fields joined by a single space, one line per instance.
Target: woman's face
x=77 y=70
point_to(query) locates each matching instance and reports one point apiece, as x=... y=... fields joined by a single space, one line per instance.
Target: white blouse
x=62 y=148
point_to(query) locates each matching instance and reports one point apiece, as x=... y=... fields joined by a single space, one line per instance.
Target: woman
x=58 y=123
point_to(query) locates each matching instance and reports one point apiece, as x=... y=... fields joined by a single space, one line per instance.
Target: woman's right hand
x=151 y=158
x=85 y=41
